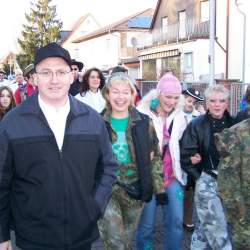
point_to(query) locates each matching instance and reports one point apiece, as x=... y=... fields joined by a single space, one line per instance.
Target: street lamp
x=239 y=3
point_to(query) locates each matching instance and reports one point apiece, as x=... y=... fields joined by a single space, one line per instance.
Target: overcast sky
x=105 y=11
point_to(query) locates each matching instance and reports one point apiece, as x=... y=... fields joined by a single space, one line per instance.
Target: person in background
x=162 y=106
x=57 y=168
x=3 y=81
x=233 y=145
x=200 y=159
x=138 y=97
x=119 y=69
x=76 y=68
x=245 y=113
x=135 y=145
x=90 y=91
x=19 y=81
x=191 y=98
x=7 y=101
x=27 y=89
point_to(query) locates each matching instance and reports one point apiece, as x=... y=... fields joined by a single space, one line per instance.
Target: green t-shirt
x=120 y=147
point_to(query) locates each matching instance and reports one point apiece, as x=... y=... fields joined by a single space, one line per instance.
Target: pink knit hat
x=169 y=84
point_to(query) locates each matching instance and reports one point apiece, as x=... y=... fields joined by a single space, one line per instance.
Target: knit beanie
x=169 y=84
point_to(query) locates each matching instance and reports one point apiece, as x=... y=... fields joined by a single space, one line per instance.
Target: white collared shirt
x=56 y=119
x=94 y=100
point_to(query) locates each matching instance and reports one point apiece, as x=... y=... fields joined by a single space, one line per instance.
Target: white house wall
x=102 y=52
x=87 y=26
x=200 y=50
x=235 y=37
x=236 y=43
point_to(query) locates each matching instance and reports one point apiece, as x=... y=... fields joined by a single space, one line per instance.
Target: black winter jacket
x=75 y=87
x=141 y=142
x=196 y=139
x=242 y=115
x=53 y=197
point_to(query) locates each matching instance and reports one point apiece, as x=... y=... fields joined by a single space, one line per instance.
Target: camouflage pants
x=120 y=221
x=211 y=232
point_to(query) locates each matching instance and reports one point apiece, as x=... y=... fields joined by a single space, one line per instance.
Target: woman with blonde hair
x=162 y=105
x=139 y=175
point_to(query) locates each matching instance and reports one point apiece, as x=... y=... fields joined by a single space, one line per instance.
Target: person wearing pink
x=162 y=107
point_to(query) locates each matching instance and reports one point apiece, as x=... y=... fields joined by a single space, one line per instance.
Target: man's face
x=19 y=77
x=217 y=104
x=75 y=71
x=189 y=103
x=53 y=77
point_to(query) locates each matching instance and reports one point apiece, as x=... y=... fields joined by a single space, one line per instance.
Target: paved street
x=158 y=237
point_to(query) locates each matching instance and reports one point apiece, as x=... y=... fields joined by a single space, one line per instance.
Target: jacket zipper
x=60 y=154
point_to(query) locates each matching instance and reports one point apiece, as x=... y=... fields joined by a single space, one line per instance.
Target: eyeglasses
x=48 y=74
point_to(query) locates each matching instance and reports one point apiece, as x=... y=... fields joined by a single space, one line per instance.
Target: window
x=182 y=24
x=165 y=24
x=204 y=11
x=188 y=63
x=131 y=40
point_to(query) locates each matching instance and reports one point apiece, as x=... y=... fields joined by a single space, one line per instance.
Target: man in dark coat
x=76 y=67
x=56 y=164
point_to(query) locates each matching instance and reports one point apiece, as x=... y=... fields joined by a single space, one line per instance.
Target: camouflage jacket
x=234 y=180
x=156 y=161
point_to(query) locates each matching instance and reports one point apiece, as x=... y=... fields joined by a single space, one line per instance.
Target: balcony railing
x=190 y=29
x=128 y=52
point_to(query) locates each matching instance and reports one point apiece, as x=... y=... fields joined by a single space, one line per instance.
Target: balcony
x=174 y=33
x=128 y=52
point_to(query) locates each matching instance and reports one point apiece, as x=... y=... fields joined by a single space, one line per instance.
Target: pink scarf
x=167 y=161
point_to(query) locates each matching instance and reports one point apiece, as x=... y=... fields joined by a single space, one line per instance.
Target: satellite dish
x=134 y=41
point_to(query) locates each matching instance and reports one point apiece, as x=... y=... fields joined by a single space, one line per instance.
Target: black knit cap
x=52 y=50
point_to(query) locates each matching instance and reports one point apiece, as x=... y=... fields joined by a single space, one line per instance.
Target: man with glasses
x=56 y=164
x=200 y=159
x=76 y=67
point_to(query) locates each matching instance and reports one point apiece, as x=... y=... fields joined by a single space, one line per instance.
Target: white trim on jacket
x=178 y=128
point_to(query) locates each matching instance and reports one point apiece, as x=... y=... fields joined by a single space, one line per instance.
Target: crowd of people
x=83 y=157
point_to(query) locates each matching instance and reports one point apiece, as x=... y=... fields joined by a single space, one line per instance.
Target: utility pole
x=211 y=41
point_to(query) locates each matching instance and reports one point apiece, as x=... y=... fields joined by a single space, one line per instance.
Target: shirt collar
x=46 y=107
